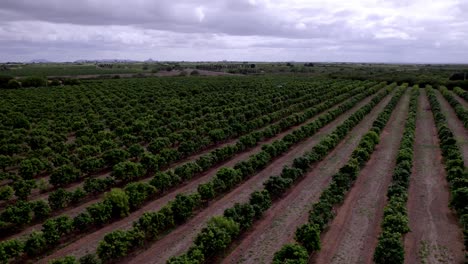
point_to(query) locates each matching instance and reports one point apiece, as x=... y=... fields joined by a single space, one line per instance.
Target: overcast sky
x=245 y=30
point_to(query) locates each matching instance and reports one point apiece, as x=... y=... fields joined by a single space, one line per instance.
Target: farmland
x=273 y=168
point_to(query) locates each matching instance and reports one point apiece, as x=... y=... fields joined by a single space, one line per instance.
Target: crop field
x=234 y=169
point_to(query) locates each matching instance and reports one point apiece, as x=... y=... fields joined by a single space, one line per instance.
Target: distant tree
x=33 y=82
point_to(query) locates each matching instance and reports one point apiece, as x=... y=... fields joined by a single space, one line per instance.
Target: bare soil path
x=352 y=235
x=181 y=238
x=435 y=236
x=89 y=243
x=279 y=223
x=454 y=123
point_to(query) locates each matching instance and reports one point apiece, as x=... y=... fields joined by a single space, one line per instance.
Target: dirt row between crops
x=455 y=124
x=180 y=239
x=435 y=236
x=89 y=242
x=279 y=223
x=352 y=235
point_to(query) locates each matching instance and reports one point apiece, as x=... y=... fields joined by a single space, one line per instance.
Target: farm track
x=352 y=235
x=88 y=243
x=279 y=223
x=180 y=239
x=435 y=236
x=455 y=124
x=73 y=211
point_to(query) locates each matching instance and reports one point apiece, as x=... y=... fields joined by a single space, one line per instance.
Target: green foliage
x=164 y=180
x=6 y=192
x=64 y=260
x=243 y=214
x=41 y=209
x=216 y=236
x=308 y=235
x=54 y=229
x=260 y=201
x=10 y=249
x=119 y=202
x=138 y=192
x=117 y=244
x=19 y=213
x=389 y=249
x=33 y=82
x=35 y=244
x=59 y=199
x=23 y=188
x=127 y=171
x=64 y=175
x=291 y=254
x=183 y=206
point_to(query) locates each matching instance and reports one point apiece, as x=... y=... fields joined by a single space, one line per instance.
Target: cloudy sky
x=253 y=30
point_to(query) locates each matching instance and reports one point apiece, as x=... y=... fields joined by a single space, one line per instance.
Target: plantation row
x=172 y=172
x=454 y=166
x=308 y=235
x=222 y=230
x=66 y=174
x=225 y=179
x=142 y=189
x=130 y=171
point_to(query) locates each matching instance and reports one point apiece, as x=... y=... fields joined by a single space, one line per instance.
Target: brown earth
x=435 y=236
x=279 y=223
x=352 y=235
x=455 y=124
x=181 y=238
x=88 y=243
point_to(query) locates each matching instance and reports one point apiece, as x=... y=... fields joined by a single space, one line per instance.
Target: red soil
x=435 y=236
x=279 y=223
x=88 y=243
x=352 y=235
x=181 y=238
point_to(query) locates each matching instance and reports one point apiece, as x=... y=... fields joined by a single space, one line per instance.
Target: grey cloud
x=234 y=29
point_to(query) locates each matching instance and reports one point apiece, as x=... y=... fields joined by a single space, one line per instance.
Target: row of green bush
x=390 y=248
x=182 y=207
x=127 y=171
x=227 y=178
x=9 y=82
x=460 y=92
x=308 y=235
x=460 y=110
x=457 y=174
x=241 y=216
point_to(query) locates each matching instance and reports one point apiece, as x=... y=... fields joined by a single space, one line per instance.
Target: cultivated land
x=232 y=169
